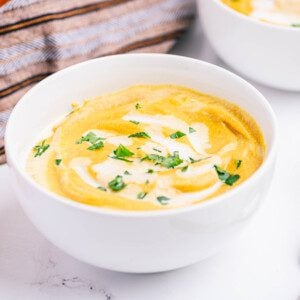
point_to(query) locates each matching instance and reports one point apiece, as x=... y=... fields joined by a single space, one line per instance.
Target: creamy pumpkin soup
x=148 y=147
x=281 y=12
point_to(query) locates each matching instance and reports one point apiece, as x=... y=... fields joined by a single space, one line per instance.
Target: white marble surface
x=264 y=264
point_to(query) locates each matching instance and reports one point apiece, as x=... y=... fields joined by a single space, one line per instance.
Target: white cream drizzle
x=110 y=168
x=80 y=165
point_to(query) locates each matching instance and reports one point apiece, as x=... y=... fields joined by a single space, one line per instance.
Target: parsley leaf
x=134 y=122
x=117 y=184
x=191 y=130
x=150 y=171
x=122 y=151
x=96 y=142
x=58 y=161
x=138 y=106
x=141 y=134
x=121 y=158
x=183 y=169
x=226 y=177
x=163 y=200
x=192 y=160
x=238 y=163
x=170 y=161
x=96 y=146
x=141 y=195
x=102 y=188
x=177 y=135
x=157 y=150
x=40 y=149
x=296 y=25
x=127 y=173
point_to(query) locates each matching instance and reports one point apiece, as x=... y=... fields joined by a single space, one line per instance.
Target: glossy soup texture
x=279 y=12
x=148 y=147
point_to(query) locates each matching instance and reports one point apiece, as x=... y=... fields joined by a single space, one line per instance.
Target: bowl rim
x=246 y=18
x=269 y=159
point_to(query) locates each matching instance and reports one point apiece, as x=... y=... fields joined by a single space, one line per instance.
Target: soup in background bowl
x=256 y=38
x=139 y=241
x=279 y=12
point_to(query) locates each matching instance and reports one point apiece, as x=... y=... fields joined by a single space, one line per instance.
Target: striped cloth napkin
x=39 y=37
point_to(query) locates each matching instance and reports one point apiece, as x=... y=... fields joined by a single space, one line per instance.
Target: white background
x=264 y=264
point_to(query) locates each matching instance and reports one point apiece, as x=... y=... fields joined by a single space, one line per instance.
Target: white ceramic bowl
x=267 y=53
x=126 y=241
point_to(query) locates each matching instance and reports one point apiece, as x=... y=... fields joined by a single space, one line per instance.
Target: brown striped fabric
x=39 y=37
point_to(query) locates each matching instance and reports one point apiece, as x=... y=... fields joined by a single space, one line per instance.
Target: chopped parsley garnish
x=170 y=161
x=191 y=130
x=157 y=150
x=134 y=122
x=40 y=149
x=138 y=106
x=58 y=161
x=163 y=200
x=192 y=160
x=141 y=195
x=238 y=163
x=150 y=171
x=96 y=146
x=147 y=181
x=117 y=184
x=101 y=188
x=296 y=25
x=127 y=173
x=141 y=134
x=95 y=141
x=121 y=158
x=122 y=151
x=226 y=177
x=177 y=135
x=183 y=169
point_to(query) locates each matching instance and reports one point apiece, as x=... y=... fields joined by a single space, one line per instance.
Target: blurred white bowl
x=140 y=242
x=267 y=53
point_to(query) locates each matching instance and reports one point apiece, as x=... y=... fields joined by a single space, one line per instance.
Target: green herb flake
x=141 y=134
x=127 y=173
x=122 y=151
x=150 y=171
x=40 y=149
x=193 y=161
x=191 y=130
x=138 y=106
x=170 y=161
x=102 y=188
x=141 y=195
x=147 y=181
x=163 y=200
x=58 y=161
x=177 y=135
x=96 y=146
x=238 y=163
x=184 y=169
x=226 y=177
x=95 y=141
x=117 y=184
x=157 y=150
x=134 y=122
x=297 y=25
x=121 y=158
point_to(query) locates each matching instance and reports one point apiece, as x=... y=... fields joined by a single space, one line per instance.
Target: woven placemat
x=39 y=37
